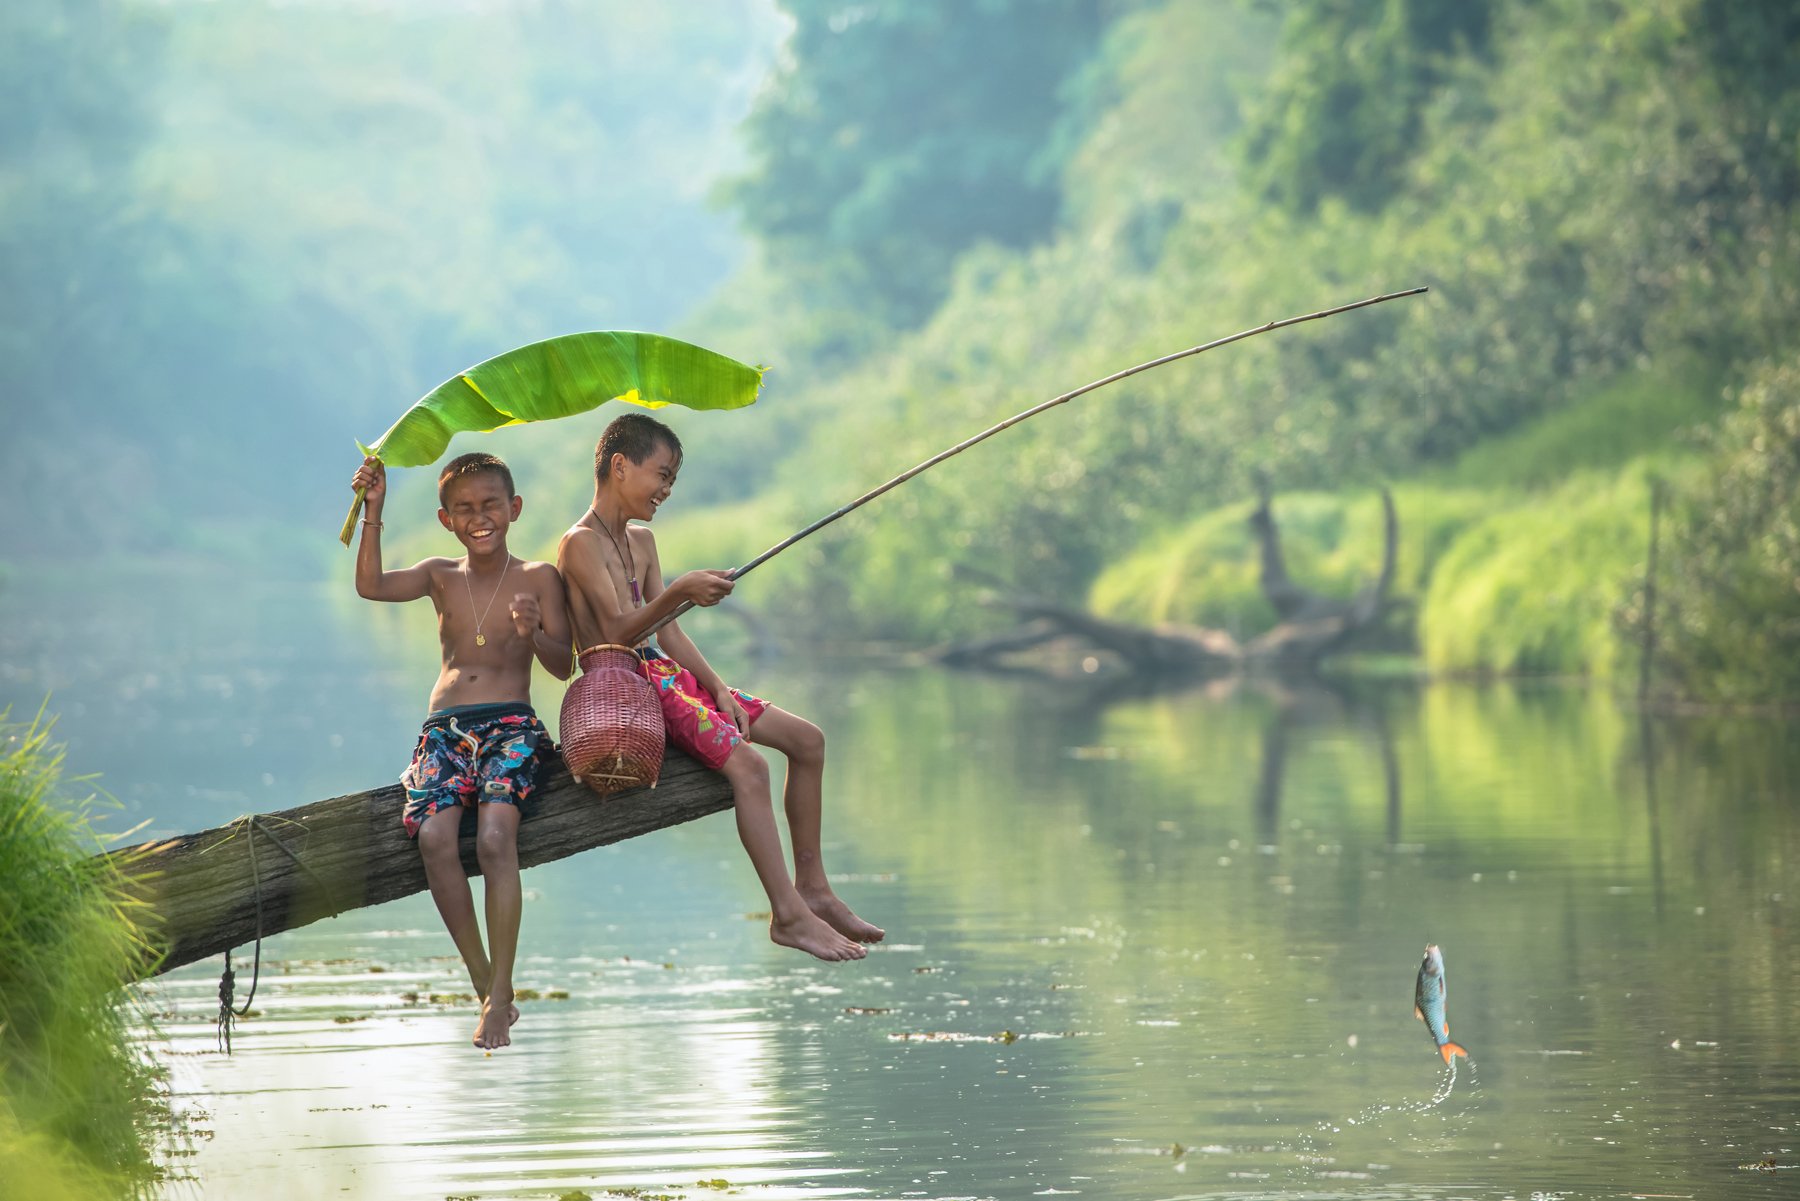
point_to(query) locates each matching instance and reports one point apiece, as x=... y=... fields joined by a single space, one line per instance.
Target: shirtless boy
x=616 y=594
x=482 y=743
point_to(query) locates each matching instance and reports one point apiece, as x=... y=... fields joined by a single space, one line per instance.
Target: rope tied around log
x=228 y=1012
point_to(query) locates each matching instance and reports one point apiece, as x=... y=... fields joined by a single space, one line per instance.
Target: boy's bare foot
x=481 y=994
x=811 y=934
x=494 y=1029
x=841 y=918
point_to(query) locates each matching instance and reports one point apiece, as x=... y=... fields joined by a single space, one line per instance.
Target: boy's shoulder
x=539 y=572
x=579 y=534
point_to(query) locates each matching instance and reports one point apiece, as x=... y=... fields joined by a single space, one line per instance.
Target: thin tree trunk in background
x=1649 y=653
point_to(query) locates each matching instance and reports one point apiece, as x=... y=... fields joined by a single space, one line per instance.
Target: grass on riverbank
x=1514 y=561
x=77 y=1105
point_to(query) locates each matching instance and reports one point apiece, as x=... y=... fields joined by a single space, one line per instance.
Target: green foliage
x=1604 y=238
x=1638 y=413
x=1756 y=46
x=1203 y=574
x=1532 y=589
x=561 y=377
x=1207 y=572
x=1161 y=103
x=961 y=209
x=1342 y=111
x=1733 y=578
x=899 y=133
x=75 y=1100
x=1514 y=560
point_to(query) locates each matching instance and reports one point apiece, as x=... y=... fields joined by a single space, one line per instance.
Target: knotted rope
x=228 y=1013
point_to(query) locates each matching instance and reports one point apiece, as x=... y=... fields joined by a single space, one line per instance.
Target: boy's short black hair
x=636 y=436
x=463 y=466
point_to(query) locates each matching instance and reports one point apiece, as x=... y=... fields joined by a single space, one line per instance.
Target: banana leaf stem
x=350 y=521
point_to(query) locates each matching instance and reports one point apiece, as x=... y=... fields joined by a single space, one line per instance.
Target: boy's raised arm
x=372 y=583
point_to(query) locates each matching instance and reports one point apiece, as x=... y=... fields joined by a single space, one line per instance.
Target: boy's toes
x=810 y=934
x=849 y=949
x=843 y=919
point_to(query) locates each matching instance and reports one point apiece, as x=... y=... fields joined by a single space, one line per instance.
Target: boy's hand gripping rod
x=934 y=460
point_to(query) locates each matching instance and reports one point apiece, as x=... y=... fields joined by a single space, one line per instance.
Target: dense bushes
x=1734 y=566
x=76 y=1102
x=1597 y=200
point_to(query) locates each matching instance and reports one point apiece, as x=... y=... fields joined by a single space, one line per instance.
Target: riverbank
x=1526 y=558
x=80 y=1109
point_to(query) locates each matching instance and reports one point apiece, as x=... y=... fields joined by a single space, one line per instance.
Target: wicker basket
x=612 y=723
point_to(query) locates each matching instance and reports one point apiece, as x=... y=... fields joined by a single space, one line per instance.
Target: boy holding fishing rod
x=617 y=595
x=481 y=744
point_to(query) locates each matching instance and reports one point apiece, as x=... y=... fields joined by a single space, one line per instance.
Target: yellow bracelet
x=378 y=525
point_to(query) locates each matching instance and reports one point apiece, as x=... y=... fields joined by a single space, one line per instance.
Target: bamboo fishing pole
x=985 y=434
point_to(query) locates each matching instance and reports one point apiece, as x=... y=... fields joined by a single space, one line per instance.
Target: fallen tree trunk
x=220 y=888
x=1311 y=626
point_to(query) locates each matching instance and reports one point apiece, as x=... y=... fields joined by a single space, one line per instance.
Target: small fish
x=1428 y=1003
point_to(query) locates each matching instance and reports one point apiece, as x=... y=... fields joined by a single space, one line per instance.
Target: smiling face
x=642 y=487
x=478 y=510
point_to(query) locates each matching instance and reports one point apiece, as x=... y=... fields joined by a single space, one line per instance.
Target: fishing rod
x=1114 y=378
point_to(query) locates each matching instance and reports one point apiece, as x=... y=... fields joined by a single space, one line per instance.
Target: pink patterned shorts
x=690 y=716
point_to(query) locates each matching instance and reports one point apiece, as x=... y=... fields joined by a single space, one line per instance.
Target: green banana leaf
x=561 y=377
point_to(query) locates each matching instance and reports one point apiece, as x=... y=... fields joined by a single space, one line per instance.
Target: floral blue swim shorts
x=470 y=754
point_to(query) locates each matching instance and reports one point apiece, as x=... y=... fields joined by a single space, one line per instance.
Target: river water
x=1142 y=944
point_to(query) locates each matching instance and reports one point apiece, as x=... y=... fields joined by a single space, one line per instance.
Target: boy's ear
x=518 y=504
x=444 y=520
x=612 y=464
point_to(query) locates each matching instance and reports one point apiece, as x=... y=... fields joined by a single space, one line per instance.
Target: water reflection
x=1160 y=947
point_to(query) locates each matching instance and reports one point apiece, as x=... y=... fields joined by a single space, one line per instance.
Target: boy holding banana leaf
x=617 y=595
x=481 y=743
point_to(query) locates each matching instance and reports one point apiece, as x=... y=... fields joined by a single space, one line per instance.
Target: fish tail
x=1449 y=1049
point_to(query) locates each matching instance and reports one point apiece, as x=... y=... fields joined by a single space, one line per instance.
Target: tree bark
x=204 y=890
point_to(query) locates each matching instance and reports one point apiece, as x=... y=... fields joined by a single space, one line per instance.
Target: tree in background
x=1734 y=571
x=1343 y=111
x=1601 y=196
x=898 y=134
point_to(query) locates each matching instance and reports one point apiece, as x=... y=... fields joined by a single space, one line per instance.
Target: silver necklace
x=480 y=638
x=625 y=559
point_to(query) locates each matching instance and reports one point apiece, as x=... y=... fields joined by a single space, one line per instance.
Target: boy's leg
x=497 y=847
x=450 y=891
x=803 y=797
x=792 y=923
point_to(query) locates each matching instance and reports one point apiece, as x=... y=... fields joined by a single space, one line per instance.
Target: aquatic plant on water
x=77 y=1103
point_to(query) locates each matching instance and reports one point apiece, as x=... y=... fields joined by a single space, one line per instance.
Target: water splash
x=1443 y=1092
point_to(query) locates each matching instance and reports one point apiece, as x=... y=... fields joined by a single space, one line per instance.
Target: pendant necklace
x=625 y=559
x=480 y=638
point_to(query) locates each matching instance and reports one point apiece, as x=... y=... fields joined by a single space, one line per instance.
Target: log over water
x=349 y=852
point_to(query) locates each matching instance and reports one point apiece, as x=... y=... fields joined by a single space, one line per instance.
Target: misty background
x=237 y=238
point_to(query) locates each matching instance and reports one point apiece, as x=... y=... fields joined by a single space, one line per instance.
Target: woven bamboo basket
x=612 y=723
